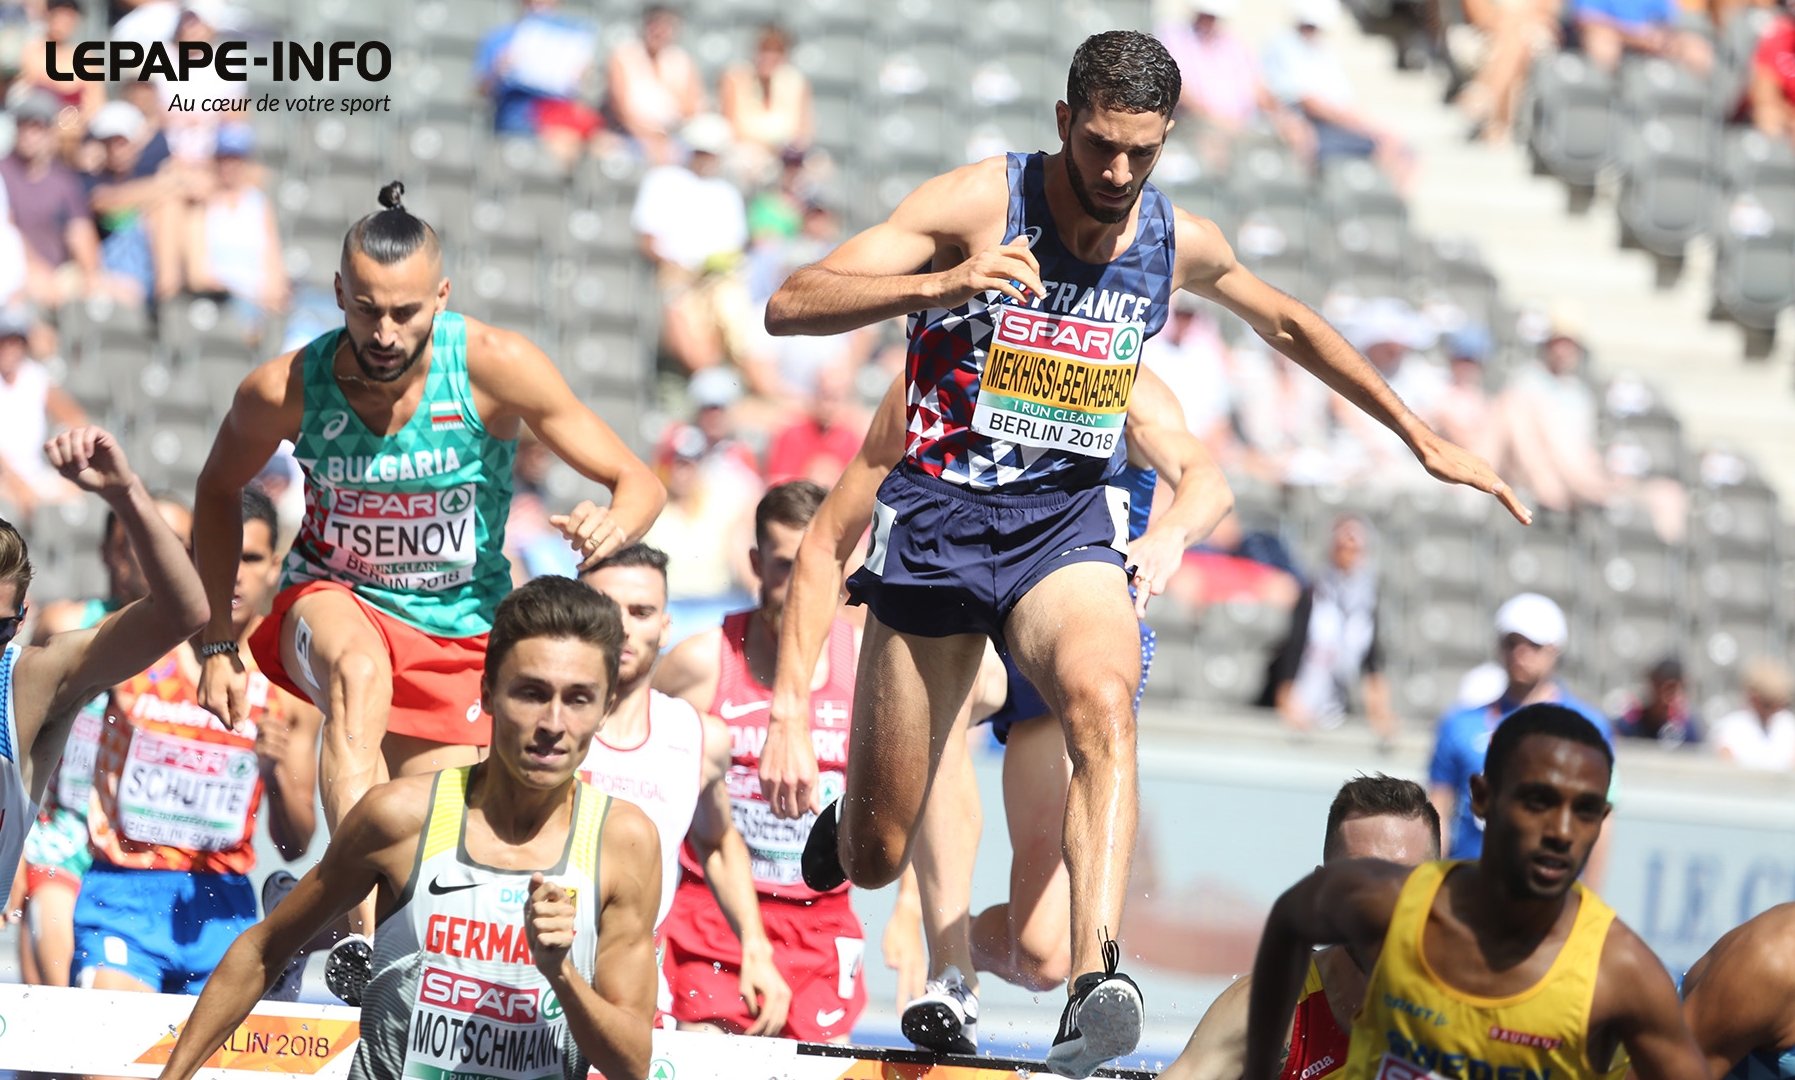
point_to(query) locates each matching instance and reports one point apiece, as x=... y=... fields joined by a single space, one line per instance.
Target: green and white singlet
x=413 y=521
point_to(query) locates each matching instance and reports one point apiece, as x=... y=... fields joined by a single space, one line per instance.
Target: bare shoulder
x=1203 y=251
x=630 y=831
x=691 y=664
x=1759 y=953
x=961 y=202
x=493 y=352
x=390 y=813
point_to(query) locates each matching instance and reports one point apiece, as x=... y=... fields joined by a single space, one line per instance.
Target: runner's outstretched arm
x=1345 y=903
x=1207 y=267
x=73 y=667
x=724 y=856
x=1201 y=498
x=885 y=271
x=525 y=383
x=1650 y=1019
x=788 y=769
x=268 y=407
x=377 y=836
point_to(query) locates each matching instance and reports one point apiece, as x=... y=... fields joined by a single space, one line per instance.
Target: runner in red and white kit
x=817 y=940
x=672 y=761
x=1372 y=817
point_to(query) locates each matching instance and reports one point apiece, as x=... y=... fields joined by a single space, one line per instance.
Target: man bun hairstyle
x=392 y=233
x=1123 y=70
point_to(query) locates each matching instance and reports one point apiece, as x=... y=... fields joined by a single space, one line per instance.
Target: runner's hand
x=549 y=922
x=591 y=532
x=1010 y=269
x=1455 y=465
x=91 y=459
x=224 y=688
x=1154 y=557
x=764 y=989
x=788 y=772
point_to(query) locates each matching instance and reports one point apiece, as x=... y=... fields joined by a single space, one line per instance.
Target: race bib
x=74 y=779
x=1057 y=381
x=183 y=792
x=421 y=541
x=470 y=1028
x=776 y=844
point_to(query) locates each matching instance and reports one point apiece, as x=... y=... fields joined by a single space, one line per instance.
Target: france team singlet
x=1019 y=399
x=413 y=521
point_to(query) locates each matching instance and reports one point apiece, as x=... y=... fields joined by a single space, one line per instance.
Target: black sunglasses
x=9 y=626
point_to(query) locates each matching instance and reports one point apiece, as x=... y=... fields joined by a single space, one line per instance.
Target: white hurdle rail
x=112 y=1033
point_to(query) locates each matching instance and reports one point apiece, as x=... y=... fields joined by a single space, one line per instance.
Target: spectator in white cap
x=1303 y=72
x=1531 y=632
x=137 y=204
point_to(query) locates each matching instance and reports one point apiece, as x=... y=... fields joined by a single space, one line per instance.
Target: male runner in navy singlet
x=1032 y=283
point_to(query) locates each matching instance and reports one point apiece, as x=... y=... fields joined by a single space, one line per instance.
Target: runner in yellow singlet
x=1505 y=968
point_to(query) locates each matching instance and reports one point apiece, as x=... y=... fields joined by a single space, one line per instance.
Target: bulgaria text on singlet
x=413 y=521
x=775 y=844
x=174 y=788
x=1025 y=398
x=1318 y=1047
x=17 y=809
x=1413 y=1024
x=455 y=994
x=662 y=775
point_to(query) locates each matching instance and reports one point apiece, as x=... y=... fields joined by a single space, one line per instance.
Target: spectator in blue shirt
x=1609 y=28
x=1531 y=631
x=535 y=70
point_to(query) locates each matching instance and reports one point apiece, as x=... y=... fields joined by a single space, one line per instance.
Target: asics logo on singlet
x=437 y=888
x=1032 y=234
x=334 y=423
x=729 y=710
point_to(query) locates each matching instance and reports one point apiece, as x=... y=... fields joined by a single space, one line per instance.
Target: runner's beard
x=374 y=375
x=1102 y=214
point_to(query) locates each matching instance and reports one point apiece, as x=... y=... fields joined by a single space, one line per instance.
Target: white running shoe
x=945 y=1018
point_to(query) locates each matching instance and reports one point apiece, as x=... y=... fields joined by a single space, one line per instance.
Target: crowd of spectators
x=122 y=199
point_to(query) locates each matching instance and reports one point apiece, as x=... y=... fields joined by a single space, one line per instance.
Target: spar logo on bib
x=1060 y=382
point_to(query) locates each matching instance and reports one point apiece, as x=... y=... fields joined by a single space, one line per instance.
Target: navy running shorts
x=945 y=560
x=1023 y=702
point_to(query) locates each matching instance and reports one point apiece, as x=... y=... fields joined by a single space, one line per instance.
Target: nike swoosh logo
x=731 y=711
x=437 y=888
x=829 y=1019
